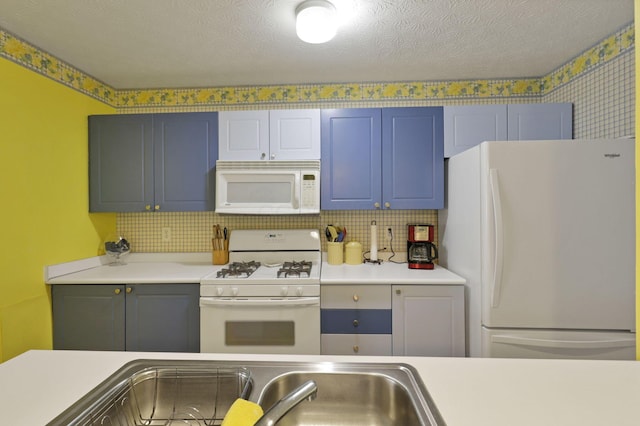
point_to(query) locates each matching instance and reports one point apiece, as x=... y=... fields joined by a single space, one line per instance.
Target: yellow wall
x=637 y=19
x=44 y=215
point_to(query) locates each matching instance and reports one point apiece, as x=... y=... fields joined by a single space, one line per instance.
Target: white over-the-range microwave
x=268 y=187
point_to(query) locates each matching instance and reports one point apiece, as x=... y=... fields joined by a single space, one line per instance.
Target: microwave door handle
x=297 y=188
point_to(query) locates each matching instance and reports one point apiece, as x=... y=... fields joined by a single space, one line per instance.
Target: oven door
x=260 y=325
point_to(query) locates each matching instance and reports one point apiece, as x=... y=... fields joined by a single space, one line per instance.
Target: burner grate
x=295 y=269
x=239 y=270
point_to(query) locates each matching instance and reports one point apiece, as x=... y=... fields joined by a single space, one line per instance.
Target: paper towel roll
x=373 y=255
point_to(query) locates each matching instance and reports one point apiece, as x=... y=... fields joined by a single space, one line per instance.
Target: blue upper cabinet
x=185 y=154
x=389 y=158
x=540 y=121
x=152 y=162
x=412 y=158
x=351 y=171
x=120 y=163
x=466 y=126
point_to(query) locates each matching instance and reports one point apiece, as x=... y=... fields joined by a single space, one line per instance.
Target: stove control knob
x=299 y=291
x=219 y=290
x=234 y=291
x=284 y=291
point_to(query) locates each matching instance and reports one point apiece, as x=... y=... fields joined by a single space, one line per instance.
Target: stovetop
x=268 y=263
x=255 y=272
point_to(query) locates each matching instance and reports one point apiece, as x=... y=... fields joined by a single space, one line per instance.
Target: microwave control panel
x=309 y=190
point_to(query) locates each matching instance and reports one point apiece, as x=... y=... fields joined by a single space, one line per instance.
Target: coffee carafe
x=421 y=252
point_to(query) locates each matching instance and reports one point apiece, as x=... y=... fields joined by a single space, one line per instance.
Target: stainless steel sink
x=348 y=399
x=157 y=392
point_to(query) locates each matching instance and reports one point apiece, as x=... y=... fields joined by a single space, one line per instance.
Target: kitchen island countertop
x=39 y=384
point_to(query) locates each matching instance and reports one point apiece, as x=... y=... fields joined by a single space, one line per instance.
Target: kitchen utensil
x=333 y=232
x=343 y=234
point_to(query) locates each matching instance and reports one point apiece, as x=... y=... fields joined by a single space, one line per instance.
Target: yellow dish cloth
x=242 y=413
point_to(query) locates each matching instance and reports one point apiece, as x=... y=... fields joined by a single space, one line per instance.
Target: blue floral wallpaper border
x=23 y=53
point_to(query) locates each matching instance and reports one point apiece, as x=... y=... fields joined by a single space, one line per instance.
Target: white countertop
x=386 y=273
x=140 y=268
x=161 y=268
x=37 y=385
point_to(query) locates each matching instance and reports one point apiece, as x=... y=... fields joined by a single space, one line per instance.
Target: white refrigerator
x=544 y=233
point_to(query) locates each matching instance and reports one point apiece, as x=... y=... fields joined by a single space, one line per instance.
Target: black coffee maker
x=421 y=252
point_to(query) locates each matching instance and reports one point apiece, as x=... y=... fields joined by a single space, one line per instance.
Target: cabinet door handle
x=356 y=348
x=129 y=290
x=356 y=323
x=157 y=207
x=376 y=205
x=117 y=291
x=387 y=205
x=356 y=297
x=148 y=207
x=398 y=292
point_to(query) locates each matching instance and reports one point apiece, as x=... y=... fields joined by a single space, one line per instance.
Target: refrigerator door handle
x=498 y=235
x=566 y=344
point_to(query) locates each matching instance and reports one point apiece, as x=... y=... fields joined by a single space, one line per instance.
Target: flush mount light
x=316 y=21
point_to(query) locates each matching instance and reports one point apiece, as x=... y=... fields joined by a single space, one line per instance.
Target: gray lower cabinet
x=399 y=320
x=138 y=317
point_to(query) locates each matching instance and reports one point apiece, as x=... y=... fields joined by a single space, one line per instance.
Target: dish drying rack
x=170 y=396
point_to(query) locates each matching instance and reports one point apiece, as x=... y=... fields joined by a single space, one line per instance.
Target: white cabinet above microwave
x=269 y=135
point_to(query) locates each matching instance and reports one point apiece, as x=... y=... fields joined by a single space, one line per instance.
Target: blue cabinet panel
x=389 y=158
x=150 y=162
x=355 y=321
x=413 y=158
x=351 y=158
x=140 y=317
x=185 y=151
x=120 y=162
x=163 y=317
x=88 y=317
x=468 y=125
x=540 y=121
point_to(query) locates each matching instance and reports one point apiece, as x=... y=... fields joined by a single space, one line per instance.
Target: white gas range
x=267 y=299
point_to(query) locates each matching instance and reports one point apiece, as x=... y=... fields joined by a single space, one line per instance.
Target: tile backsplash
x=192 y=231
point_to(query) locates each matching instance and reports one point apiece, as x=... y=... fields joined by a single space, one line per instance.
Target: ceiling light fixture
x=316 y=21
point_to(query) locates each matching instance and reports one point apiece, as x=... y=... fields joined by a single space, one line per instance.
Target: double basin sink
x=153 y=392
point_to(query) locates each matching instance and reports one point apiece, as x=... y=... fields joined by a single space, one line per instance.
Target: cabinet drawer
x=360 y=321
x=356 y=297
x=355 y=344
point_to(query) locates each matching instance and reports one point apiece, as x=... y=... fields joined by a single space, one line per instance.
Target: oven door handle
x=302 y=301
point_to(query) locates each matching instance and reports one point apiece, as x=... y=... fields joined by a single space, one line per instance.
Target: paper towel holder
x=373 y=251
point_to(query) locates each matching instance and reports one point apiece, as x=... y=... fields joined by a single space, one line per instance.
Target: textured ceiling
x=208 y=43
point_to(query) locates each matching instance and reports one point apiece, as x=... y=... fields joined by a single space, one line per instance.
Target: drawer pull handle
x=356 y=348
x=356 y=297
x=117 y=291
x=356 y=323
x=129 y=290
